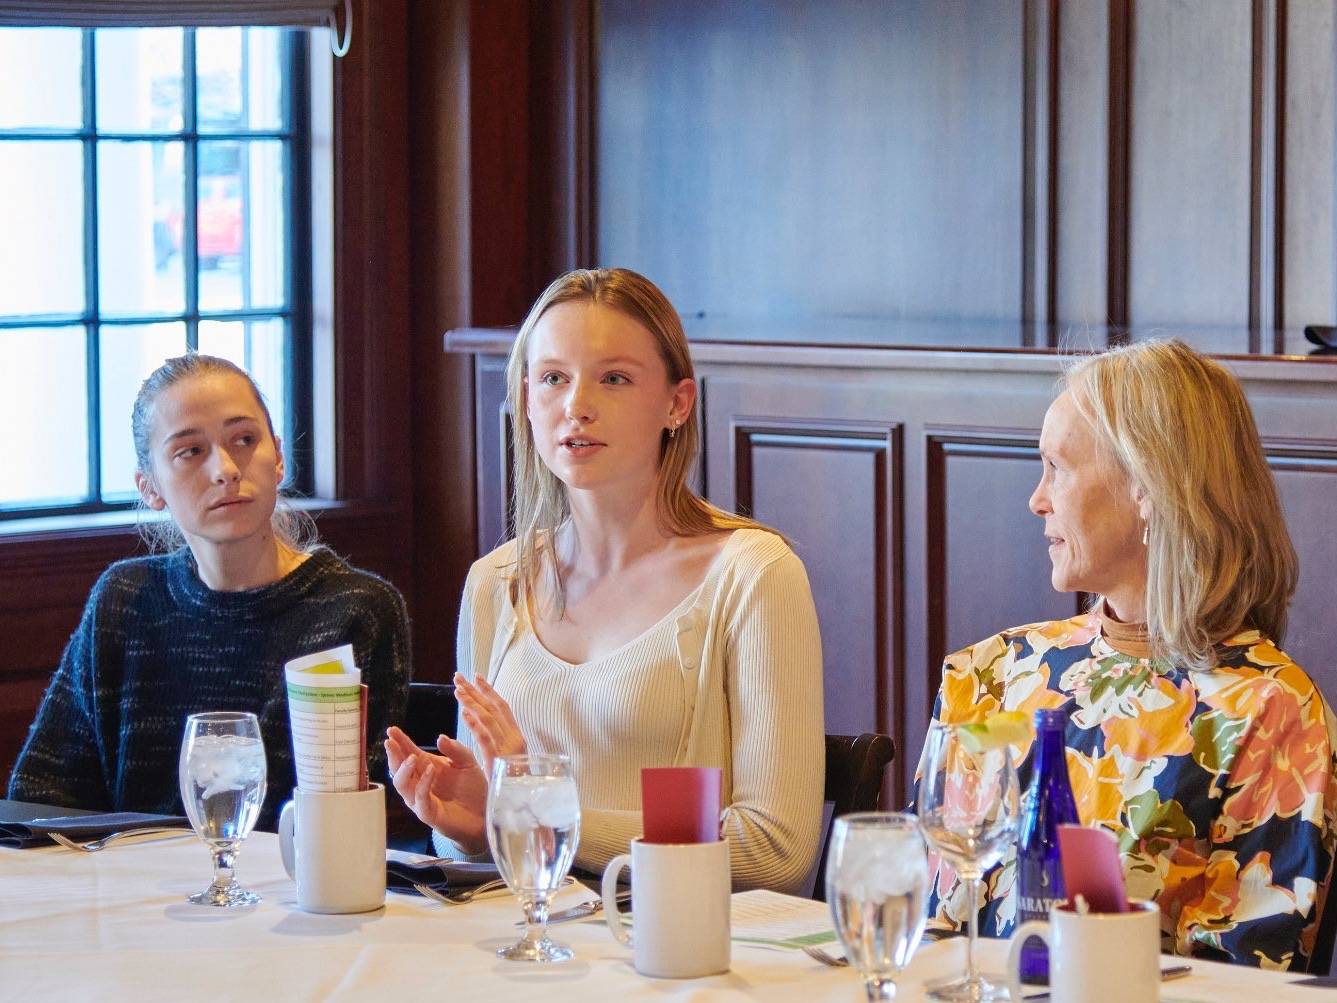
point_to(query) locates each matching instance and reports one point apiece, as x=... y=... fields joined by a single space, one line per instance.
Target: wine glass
x=222 y=775
x=533 y=825
x=876 y=881
x=968 y=807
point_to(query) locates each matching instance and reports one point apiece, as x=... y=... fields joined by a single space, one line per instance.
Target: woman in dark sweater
x=208 y=625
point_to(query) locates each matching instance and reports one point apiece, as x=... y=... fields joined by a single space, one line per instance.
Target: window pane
x=140 y=227
x=42 y=83
x=242 y=224
x=43 y=417
x=138 y=79
x=239 y=80
x=261 y=348
x=42 y=241
x=127 y=353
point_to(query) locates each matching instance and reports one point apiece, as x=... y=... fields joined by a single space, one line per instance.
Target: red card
x=1091 y=868
x=681 y=804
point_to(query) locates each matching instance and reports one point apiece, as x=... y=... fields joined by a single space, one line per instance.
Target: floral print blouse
x=1220 y=785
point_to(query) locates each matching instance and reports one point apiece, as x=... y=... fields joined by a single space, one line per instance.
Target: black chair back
x=1320 y=962
x=431 y=711
x=855 y=765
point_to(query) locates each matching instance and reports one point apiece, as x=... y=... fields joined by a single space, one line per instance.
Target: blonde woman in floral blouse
x=1192 y=736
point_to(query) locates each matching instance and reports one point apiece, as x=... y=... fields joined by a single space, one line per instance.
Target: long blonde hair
x=1219 y=555
x=541 y=504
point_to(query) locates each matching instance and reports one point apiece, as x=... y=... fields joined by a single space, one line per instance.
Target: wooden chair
x=854 y=770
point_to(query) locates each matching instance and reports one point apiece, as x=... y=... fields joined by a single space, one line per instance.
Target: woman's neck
x=606 y=534
x=243 y=564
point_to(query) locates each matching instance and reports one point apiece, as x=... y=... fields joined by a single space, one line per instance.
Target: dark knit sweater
x=156 y=644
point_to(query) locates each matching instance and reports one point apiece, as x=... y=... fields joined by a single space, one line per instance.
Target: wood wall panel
x=1308 y=487
x=780 y=159
x=1190 y=163
x=781 y=473
x=989 y=568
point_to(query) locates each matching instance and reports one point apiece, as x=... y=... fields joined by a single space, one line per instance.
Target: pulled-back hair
x=1219 y=555
x=541 y=503
x=295 y=529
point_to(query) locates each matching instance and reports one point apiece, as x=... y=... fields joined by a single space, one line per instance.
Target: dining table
x=115 y=926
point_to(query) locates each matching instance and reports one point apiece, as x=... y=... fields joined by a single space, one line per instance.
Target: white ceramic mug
x=1096 y=957
x=333 y=845
x=680 y=895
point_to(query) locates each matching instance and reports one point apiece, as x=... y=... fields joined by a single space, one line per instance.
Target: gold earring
x=673 y=429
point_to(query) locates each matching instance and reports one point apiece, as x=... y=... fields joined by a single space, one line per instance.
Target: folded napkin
x=24 y=825
x=402 y=872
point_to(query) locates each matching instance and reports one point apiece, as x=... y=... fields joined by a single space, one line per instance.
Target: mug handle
x=287 y=820
x=1023 y=933
x=616 y=925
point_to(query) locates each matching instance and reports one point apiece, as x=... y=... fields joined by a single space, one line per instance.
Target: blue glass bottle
x=1049 y=803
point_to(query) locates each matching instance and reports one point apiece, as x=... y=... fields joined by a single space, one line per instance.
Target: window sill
x=125 y=522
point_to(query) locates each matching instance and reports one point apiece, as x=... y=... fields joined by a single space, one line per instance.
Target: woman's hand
x=448 y=792
x=489 y=719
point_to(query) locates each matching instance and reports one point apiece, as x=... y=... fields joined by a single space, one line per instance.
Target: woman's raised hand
x=489 y=719
x=448 y=792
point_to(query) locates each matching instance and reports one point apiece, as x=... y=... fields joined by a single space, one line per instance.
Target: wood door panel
x=792 y=476
x=1308 y=488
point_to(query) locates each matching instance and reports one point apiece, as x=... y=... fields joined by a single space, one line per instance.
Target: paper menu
x=776 y=920
x=327 y=718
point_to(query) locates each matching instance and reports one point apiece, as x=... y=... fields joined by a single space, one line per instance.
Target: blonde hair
x=294 y=529
x=1219 y=555
x=541 y=504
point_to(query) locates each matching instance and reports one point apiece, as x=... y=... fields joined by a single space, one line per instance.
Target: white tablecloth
x=114 y=926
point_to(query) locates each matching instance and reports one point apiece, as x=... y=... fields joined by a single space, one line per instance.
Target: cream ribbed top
x=731 y=677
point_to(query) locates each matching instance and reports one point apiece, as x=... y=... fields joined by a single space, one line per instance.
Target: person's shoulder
x=751 y=551
x=491 y=574
x=124 y=580
x=1037 y=637
x=337 y=576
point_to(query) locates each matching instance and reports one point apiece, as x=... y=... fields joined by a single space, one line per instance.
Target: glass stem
x=536 y=920
x=225 y=864
x=973 y=921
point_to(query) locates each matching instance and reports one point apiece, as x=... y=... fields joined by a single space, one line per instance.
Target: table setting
x=322 y=911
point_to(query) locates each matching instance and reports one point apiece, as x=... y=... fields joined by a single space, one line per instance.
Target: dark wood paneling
x=785 y=474
x=1308 y=487
x=770 y=159
x=1189 y=234
x=988 y=564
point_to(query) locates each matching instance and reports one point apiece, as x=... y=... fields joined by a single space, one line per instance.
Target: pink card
x=681 y=804
x=1091 y=868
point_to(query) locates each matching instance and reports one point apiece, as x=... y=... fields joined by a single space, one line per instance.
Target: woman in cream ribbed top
x=731 y=677
x=630 y=623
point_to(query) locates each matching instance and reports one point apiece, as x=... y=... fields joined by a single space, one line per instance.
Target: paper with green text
x=325 y=713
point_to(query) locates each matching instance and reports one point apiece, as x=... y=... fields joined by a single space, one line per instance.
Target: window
x=154 y=187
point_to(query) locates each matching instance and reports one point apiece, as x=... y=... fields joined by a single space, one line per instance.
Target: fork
x=825 y=957
x=461 y=896
x=93 y=845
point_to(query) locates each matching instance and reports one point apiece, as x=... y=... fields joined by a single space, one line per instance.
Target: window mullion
x=190 y=216
x=92 y=329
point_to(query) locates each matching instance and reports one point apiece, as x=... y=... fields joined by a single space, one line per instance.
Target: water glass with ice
x=533 y=825
x=876 y=883
x=222 y=774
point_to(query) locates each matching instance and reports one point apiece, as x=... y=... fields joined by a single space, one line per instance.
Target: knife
x=584 y=910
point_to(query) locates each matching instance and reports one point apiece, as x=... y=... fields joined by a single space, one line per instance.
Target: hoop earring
x=673 y=429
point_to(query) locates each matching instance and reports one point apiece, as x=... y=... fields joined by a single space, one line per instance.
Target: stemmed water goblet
x=222 y=774
x=876 y=881
x=533 y=825
x=968 y=808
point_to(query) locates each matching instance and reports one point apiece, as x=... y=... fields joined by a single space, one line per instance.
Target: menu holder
x=327 y=713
